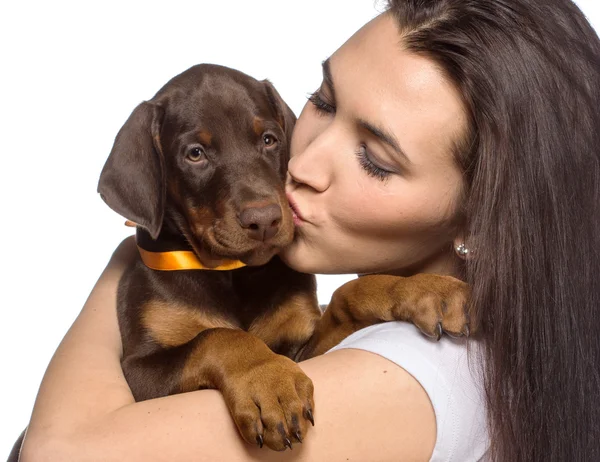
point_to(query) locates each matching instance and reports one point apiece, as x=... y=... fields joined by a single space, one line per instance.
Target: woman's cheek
x=400 y=214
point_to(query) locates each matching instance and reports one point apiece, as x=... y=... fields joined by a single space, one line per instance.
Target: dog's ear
x=133 y=181
x=285 y=116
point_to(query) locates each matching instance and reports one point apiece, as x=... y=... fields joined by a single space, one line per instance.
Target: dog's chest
x=186 y=302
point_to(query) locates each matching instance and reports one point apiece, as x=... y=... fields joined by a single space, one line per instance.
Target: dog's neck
x=171 y=252
x=168 y=240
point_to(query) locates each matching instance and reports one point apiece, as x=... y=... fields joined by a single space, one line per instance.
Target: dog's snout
x=262 y=223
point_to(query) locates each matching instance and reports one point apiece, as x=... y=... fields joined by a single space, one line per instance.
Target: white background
x=71 y=74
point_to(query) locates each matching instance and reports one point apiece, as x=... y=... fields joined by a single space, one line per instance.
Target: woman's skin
x=374 y=203
x=352 y=220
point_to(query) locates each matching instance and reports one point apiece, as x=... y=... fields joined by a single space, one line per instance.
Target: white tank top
x=442 y=369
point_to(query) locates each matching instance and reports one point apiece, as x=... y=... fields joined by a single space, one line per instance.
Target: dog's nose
x=262 y=223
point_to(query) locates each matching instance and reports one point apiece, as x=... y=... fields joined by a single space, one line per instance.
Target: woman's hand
x=366 y=408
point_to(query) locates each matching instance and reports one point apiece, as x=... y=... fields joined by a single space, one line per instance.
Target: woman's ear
x=132 y=181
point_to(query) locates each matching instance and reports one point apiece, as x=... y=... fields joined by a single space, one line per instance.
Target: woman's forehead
x=377 y=79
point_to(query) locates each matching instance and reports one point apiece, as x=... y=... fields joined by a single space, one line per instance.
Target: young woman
x=451 y=136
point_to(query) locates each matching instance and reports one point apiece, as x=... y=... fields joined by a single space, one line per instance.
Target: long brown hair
x=529 y=73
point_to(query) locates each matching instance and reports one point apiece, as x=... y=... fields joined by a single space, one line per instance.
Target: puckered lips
x=296 y=214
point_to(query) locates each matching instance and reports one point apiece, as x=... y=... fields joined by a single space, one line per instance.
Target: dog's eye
x=196 y=154
x=269 y=140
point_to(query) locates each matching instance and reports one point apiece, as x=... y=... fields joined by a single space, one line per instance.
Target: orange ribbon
x=179 y=259
x=182 y=260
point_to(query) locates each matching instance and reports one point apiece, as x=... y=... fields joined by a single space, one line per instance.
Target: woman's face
x=372 y=175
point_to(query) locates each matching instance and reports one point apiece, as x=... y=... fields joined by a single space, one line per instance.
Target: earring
x=462 y=250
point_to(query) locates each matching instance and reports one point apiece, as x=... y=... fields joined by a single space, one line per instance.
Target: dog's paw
x=437 y=304
x=272 y=403
x=434 y=303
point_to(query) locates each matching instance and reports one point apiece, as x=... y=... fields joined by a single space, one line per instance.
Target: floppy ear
x=132 y=181
x=285 y=116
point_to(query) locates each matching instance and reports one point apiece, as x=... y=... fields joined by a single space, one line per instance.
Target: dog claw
x=466 y=330
x=298 y=436
x=309 y=416
x=439 y=331
x=260 y=441
x=287 y=443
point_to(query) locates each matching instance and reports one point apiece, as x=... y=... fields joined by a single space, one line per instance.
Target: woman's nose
x=313 y=165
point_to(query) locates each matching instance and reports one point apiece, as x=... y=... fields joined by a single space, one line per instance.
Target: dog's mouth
x=219 y=235
x=233 y=244
x=222 y=242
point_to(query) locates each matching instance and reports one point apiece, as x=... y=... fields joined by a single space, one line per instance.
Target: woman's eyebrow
x=327 y=77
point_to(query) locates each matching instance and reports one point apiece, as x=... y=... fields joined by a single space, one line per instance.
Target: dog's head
x=209 y=154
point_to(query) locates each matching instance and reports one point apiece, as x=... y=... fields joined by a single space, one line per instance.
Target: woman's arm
x=366 y=408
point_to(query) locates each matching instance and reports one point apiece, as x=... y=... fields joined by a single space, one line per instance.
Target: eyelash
x=362 y=154
x=320 y=104
x=368 y=166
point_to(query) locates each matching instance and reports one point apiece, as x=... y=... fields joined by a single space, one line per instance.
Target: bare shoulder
x=369 y=408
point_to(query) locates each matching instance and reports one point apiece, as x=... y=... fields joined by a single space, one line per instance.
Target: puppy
x=200 y=168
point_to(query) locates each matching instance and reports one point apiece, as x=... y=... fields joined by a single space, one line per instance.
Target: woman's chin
x=300 y=261
x=288 y=256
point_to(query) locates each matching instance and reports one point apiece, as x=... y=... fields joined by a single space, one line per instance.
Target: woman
x=461 y=138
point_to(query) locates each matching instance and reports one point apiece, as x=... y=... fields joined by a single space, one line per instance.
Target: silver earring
x=462 y=250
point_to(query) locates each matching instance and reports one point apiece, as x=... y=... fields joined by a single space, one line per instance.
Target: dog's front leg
x=433 y=303
x=268 y=395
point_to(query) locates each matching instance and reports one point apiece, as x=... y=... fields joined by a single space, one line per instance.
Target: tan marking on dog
x=200 y=234
x=294 y=320
x=212 y=361
x=258 y=125
x=172 y=324
x=199 y=218
x=423 y=299
x=286 y=228
x=205 y=137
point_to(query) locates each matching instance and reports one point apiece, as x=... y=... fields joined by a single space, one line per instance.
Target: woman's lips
x=296 y=215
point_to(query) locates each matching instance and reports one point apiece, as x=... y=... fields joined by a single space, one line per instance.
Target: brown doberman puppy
x=200 y=168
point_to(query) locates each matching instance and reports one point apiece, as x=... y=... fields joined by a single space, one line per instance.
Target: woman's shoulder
x=449 y=371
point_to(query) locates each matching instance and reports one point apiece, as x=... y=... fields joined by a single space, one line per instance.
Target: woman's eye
x=196 y=155
x=369 y=166
x=269 y=140
x=320 y=104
